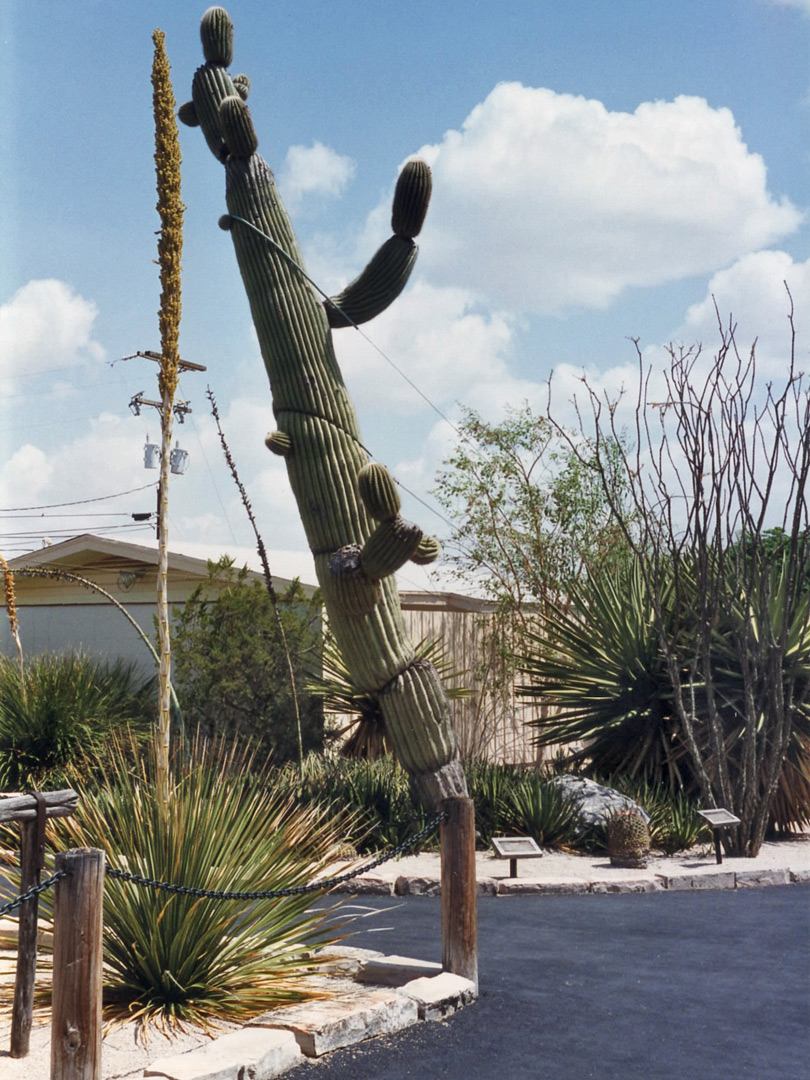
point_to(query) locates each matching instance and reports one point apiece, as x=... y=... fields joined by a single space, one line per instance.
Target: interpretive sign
x=514 y=848
x=719 y=818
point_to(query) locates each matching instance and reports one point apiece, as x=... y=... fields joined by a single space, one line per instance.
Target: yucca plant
x=172 y=959
x=600 y=666
x=62 y=713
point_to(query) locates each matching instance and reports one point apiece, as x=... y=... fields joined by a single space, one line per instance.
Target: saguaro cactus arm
x=349 y=508
x=387 y=274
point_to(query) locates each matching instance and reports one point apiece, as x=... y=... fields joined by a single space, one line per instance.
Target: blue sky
x=601 y=170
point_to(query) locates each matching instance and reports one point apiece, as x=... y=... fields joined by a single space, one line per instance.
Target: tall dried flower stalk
x=170 y=246
x=11 y=608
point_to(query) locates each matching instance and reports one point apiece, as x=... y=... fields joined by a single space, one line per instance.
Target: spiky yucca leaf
x=172 y=959
x=598 y=663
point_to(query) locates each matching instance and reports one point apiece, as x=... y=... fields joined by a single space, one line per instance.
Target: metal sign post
x=718 y=819
x=514 y=848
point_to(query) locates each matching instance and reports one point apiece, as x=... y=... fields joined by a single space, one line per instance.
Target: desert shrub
x=62 y=714
x=230 y=668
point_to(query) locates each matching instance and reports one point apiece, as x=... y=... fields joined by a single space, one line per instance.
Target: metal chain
x=272 y=894
x=35 y=891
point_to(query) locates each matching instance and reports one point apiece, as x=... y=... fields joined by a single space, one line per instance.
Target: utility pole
x=178 y=458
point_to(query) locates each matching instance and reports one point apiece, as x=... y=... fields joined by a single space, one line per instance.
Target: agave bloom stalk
x=349 y=507
x=11 y=609
x=170 y=246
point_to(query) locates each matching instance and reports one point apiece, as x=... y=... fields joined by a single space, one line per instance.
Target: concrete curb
x=372 y=885
x=359 y=1009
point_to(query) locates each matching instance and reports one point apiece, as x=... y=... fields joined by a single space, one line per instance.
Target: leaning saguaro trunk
x=349 y=506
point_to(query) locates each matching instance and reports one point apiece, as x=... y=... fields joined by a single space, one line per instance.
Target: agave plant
x=541 y=810
x=489 y=784
x=173 y=959
x=368 y=739
x=599 y=666
x=62 y=713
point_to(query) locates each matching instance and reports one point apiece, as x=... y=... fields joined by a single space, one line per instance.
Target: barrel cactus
x=349 y=507
x=628 y=839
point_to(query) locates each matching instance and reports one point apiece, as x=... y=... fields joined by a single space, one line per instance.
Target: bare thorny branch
x=710 y=465
x=268 y=577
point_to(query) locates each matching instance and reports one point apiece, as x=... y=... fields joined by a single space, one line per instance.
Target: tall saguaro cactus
x=348 y=505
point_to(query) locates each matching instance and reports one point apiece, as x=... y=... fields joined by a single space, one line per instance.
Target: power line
x=278 y=248
x=76 y=502
x=66 y=533
x=78 y=514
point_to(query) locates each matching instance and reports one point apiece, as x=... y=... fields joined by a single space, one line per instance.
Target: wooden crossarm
x=16 y=807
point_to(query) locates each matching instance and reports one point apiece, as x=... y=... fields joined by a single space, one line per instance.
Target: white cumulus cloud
x=24 y=476
x=545 y=201
x=314 y=170
x=755 y=295
x=45 y=324
x=438 y=339
x=802 y=5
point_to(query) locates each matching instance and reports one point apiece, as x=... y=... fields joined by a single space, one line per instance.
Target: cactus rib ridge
x=326 y=420
x=295 y=264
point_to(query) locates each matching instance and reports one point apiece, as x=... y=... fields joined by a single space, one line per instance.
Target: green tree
x=230 y=666
x=531 y=519
x=532 y=514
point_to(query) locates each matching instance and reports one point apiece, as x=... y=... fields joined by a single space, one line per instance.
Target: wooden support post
x=77 y=945
x=23 y=1009
x=459 y=890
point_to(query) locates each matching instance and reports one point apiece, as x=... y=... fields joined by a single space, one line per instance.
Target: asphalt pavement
x=707 y=985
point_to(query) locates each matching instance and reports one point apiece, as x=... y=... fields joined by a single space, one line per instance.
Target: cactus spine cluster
x=628 y=838
x=349 y=507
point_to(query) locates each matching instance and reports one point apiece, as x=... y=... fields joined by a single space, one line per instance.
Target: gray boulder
x=595 y=802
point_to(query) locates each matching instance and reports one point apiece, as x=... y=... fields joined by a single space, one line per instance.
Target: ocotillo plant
x=348 y=505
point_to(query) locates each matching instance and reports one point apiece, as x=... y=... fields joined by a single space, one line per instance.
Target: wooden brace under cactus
x=349 y=508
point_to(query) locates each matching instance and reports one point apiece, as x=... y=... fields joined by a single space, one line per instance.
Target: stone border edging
x=408 y=993
x=373 y=885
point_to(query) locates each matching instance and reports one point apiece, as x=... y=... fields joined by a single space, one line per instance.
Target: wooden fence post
x=459 y=890
x=23 y=1009
x=77 y=946
x=31 y=811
